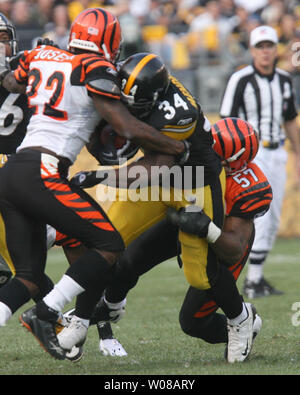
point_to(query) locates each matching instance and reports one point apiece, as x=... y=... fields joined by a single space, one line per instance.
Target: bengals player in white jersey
x=68 y=92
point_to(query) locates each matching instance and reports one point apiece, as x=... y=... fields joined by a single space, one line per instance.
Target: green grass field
x=151 y=334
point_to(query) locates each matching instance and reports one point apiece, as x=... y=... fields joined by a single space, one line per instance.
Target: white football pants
x=273 y=164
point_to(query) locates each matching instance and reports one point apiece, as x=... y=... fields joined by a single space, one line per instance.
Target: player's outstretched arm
x=228 y=243
x=126 y=125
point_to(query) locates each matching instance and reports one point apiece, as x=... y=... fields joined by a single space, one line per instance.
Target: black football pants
x=33 y=193
x=198 y=317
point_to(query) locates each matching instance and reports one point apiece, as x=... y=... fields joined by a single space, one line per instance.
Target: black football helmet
x=7 y=26
x=144 y=80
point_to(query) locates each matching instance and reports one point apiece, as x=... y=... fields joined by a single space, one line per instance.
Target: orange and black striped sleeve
x=100 y=76
x=21 y=72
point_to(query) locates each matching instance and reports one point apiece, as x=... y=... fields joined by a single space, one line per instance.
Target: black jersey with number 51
x=14 y=117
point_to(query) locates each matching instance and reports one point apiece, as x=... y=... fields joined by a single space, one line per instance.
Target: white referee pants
x=273 y=164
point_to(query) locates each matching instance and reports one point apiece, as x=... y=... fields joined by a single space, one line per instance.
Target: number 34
x=170 y=110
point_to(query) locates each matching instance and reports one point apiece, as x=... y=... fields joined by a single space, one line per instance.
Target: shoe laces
x=76 y=323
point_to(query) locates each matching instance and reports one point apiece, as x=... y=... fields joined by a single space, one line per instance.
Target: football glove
x=46 y=41
x=85 y=179
x=192 y=219
x=182 y=158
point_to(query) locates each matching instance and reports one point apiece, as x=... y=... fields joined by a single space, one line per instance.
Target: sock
x=63 y=292
x=86 y=302
x=225 y=293
x=5 y=314
x=91 y=270
x=255 y=270
x=240 y=318
x=115 y=306
x=125 y=278
x=45 y=286
x=95 y=275
x=14 y=294
x=104 y=330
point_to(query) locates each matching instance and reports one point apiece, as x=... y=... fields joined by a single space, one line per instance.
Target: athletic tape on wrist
x=213 y=233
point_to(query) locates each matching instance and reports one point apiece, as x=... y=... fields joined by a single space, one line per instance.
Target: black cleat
x=5 y=276
x=5 y=273
x=44 y=332
x=258 y=290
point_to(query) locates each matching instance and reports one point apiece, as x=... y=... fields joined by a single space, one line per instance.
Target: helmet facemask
x=235 y=142
x=7 y=27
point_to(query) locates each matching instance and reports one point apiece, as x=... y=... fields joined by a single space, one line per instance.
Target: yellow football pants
x=131 y=218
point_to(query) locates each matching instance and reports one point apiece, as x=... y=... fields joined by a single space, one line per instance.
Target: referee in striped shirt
x=263 y=95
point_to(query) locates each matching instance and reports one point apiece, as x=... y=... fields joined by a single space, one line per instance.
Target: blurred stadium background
x=201 y=41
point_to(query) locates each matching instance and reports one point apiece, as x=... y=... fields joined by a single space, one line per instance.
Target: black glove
x=192 y=219
x=88 y=179
x=5 y=275
x=182 y=158
x=85 y=179
x=46 y=41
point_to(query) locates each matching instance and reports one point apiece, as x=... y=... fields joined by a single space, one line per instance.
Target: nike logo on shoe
x=55 y=348
x=246 y=350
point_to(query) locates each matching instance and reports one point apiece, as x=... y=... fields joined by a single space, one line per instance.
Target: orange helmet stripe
x=136 y=72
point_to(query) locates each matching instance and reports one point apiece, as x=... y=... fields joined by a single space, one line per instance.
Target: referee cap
x=263 y=33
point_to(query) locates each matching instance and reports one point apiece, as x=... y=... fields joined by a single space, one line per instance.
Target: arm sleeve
x=21 y=71
x=290 y=112
x=101 y=78
x=232 y=98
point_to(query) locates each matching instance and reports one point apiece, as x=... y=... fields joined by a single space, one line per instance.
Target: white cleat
x=240 y=338
x=75 y=354
x=72 y=335
x=112 y=347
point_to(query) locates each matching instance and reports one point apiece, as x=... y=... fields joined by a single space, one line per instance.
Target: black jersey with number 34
x=14 y=117
x=179 y=116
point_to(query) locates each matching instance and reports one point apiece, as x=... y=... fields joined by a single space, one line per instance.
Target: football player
x=13 y=115
x=68 y=93
x=178 y=114
x=248 y=195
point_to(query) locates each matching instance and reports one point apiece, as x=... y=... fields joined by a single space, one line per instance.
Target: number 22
x=56 y=81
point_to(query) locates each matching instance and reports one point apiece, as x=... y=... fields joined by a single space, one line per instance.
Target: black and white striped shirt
x=264 y=101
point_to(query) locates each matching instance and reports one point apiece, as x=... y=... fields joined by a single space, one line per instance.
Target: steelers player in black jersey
x=162 y=101
x=14 y=115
